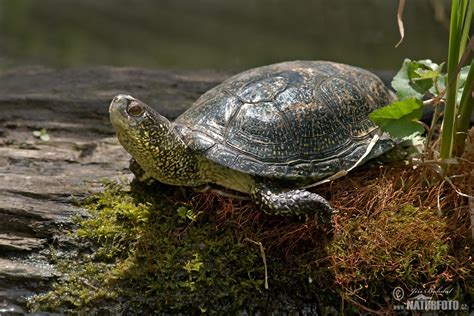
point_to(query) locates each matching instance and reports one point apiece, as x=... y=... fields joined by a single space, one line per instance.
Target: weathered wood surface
x=39 y=181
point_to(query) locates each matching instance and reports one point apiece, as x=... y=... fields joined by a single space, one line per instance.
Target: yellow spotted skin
x=157 y=156
x=265 y=132
x=159 y=150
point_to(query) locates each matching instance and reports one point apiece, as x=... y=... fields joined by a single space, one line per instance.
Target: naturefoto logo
x=418 y=300
x=425 y=303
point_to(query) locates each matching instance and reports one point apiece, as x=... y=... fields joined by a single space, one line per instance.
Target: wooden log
x=40 y=180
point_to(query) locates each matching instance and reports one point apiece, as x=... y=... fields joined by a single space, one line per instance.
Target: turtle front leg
x=139 y=173
x=277 y=201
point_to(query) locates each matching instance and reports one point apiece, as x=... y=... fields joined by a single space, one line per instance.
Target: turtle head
x=139 y=128
x=128 y=113
x=149 y=138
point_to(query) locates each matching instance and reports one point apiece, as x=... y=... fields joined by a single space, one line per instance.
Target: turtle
x=271 y=132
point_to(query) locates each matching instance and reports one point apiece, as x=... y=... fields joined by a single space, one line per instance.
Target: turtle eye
x=135 y=109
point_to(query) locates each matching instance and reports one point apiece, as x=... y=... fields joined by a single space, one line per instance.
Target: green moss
x=148 y=252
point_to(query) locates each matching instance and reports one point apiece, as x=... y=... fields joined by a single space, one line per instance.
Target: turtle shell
x=292 y=120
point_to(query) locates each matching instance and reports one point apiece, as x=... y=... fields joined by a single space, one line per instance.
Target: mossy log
x=41 y=180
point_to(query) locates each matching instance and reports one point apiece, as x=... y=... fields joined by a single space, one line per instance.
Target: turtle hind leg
x=277 y=201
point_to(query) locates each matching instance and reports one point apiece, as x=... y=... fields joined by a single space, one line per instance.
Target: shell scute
x=263 y=89
x=261 y=131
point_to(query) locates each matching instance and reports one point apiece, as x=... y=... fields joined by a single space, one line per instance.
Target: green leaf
x=428 y=64
x=41 y=134
x=185 y=213
x=439 y=85
x=415 y=78
x=425 y=74
x=44 y=137
x=421 y=74
x=408 y=109
x=402 y=128
x=182 y=212
x=463 y=75
x=401 y=83
x=400 y=119
x=462 y=82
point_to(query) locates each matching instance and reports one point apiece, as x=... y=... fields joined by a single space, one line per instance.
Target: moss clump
x=400 y=247
x=152 y=255
x=156 y=252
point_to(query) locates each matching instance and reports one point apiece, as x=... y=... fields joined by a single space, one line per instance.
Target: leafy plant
x=423 y=79
x=185 y=213
x=400 y=119
x=41 y=134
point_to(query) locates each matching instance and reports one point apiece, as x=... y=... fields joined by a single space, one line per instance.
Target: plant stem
x=432 y=127
x=453 y=59
x=466 y=23
x=466 y=107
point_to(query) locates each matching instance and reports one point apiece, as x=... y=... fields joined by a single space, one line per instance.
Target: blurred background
x=218 y=34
